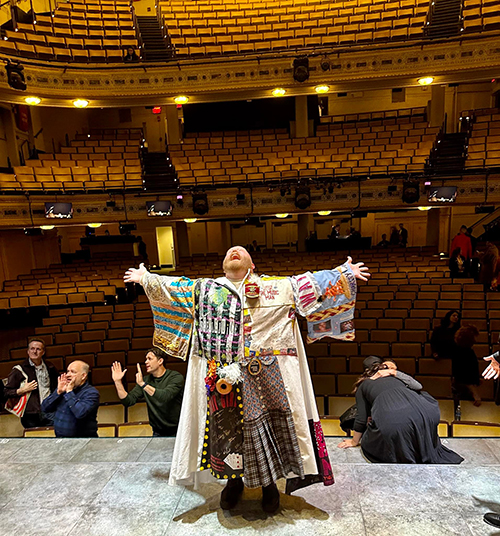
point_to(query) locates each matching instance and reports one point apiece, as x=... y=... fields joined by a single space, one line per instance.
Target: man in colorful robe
x=249 y=409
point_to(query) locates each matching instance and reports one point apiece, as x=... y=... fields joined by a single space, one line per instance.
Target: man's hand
x=116 y=372
x=359 y=270
x=347 y=444
x=70 y=385
x=31 y=386
x=62 y=384
x=133 y=275
x=493 y=371
x=139 y=380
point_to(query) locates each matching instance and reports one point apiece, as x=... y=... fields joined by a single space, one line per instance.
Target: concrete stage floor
x=108 y=487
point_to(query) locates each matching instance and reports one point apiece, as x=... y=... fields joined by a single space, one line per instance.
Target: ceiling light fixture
x=322 y=89
x=279 y=92
x=47 y=227
x=190 y=220
x=80 y=103
x=94 y=225
x=324 y=212
x=423 y=209
x=32 y=101
x=426 y=80
x=181 y=99
x=282 y=215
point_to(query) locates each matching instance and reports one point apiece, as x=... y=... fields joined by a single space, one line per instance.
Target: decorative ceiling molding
x=254 y=77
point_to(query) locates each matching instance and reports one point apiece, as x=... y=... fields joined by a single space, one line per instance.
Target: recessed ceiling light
x=80 y=103
x=279 y=92
x=426 y=80
x=32 y=101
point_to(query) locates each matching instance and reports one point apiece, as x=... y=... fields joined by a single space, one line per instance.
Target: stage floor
x=108 y=487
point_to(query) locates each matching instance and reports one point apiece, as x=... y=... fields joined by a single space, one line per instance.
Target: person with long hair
x=396 y=421
x=465 y=367
x=443 y=337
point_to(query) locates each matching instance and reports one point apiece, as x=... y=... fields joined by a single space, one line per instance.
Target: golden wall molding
x=373 y=195
x=369 y=67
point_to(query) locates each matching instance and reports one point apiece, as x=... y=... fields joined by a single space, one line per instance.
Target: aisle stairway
x=448 y=154
x=444 y=19
x=159 y=173
x=154 y=44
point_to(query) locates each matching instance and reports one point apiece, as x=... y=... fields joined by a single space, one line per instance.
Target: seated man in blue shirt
x=74 y=403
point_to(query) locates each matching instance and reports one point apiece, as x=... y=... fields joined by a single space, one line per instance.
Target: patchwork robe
x=261 y=421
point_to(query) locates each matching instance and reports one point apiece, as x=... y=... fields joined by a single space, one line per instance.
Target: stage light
x=47 y=227
x=94 y=225
x=181 y=99
x=301 y=69
x=303 y=197
x=190 y=220
x=324 y=213
x=322 y=89
x=15 y=75
x=411 y=191
x=282 y=215
x=426 y=80
x=33 y=101
x=200 y=203
x=279 y=92
x=80 y=103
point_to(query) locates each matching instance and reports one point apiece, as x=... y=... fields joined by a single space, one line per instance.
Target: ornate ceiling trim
x=254 y=77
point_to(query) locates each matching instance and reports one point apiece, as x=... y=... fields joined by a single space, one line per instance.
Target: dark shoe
x=270 y=498
x=492 y=519
x=231 y=494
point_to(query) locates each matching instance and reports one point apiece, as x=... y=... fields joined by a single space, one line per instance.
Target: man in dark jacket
x=74 y=403
x=41 y=379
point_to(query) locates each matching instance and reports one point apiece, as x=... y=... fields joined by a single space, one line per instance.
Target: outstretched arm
x=134 y=275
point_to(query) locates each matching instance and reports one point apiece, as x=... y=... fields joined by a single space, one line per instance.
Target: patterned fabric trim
x=306 y=293
x=335 y=315
x=218 y=322
x=172 y=305
x=271 y=450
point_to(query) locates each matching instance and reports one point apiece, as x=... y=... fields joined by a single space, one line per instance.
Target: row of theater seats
x=484 y=140
x=480 y=15
x=93 y=161
x=79 y=282
x=76 y=32
x=371 y=145
x=212 y=28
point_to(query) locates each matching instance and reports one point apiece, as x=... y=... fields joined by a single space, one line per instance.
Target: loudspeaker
x=200 y=204
x=411 y=191
x=301 y=69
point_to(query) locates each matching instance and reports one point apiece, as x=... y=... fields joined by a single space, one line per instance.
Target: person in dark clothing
x=403 y=235
x=394 y=238
x=40 y=379
x=254 y=247
x=490 y=267
x=141 y=247
x=457 y=264
x=465 y=367
x=384 y=243
x=74 y=403
x=1 y=395
x=396 y=421
x=473 y=239
x=130 y=55
x=443 y=337
x=162 y=390
x=335 y=232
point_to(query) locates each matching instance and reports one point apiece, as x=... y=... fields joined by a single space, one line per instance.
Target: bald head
x=79 y=371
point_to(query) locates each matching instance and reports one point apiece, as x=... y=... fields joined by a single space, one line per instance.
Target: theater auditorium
x=166 y=132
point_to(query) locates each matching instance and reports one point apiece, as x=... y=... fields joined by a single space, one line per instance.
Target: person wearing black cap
x=396 y=421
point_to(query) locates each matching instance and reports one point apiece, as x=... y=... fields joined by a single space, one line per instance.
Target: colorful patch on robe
x=335 y=316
